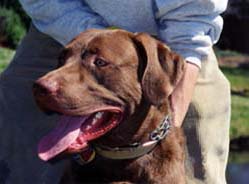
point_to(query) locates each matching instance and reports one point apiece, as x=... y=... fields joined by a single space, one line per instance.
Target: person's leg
x=207 y=125
x=22 y=124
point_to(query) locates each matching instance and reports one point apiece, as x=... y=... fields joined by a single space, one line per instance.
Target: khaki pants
x=22 y=124
x=206 y=126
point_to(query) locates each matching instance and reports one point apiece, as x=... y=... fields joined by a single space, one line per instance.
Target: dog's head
x=102 y=77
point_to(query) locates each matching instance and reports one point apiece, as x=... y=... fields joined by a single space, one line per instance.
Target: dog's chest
x=106 y=171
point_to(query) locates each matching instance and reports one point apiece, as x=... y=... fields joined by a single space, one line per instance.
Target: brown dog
x=112 y=88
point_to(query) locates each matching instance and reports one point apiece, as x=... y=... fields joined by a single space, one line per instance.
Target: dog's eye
x=100 y=63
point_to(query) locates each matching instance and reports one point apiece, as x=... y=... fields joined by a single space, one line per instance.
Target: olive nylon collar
x=132 y=151
x=136 y=149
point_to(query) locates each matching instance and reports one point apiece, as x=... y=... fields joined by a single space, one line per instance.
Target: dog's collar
x=136 y=149
x=131 y=151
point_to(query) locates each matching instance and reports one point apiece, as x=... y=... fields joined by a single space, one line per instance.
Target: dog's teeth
x=99 y=115
x=94 y=121
x=88 y=127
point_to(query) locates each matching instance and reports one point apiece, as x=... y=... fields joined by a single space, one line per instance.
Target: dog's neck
x=148 y=120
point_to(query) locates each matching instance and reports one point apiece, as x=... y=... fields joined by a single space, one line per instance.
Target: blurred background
x=232 y=51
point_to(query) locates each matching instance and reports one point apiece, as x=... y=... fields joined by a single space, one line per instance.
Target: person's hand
x=182 y=94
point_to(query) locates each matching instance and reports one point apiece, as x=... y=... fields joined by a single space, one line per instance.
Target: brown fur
x=141 y=74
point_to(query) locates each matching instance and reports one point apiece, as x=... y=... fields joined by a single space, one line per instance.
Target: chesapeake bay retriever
x=112 y=89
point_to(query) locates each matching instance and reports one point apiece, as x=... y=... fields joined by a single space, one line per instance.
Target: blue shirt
x=189 y=27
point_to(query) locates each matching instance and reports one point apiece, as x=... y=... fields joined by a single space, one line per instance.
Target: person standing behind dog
x=189 y=27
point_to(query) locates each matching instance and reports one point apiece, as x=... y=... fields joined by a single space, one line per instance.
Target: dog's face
x=102 y=77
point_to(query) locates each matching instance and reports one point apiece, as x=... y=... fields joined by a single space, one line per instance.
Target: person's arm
x=62 y=20
x=182 y=94
x=190 y=28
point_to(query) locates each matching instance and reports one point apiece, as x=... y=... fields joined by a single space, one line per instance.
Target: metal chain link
x=163 y=129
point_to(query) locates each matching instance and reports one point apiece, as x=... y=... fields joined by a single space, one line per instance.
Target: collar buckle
x=85 y=157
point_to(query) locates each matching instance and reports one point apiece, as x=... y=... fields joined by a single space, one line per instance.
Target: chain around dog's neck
x=131 y=151
x=137 y=149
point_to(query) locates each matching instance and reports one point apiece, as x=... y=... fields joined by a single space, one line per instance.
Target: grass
x=240 y=116
x=238 y=77
x=226 y=53
x=5 y=57
x=239 y=157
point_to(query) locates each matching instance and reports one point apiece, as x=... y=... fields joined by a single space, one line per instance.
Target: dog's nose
x=45 y=87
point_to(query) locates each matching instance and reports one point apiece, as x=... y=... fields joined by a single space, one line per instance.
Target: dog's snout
x=45 y=87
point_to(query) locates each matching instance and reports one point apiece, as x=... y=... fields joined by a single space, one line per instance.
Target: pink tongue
x=57 y=141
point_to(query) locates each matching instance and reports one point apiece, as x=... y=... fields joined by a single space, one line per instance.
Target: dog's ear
x=163 y=70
